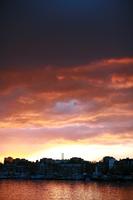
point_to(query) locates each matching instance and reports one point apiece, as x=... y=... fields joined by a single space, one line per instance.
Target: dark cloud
x=59 y=32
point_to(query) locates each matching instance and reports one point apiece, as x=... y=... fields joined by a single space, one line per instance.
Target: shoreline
x=121 y=180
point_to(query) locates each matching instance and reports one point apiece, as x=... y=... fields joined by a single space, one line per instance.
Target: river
x=64 y=190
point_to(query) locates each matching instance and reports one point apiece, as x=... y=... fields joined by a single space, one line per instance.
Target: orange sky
x=83 y=111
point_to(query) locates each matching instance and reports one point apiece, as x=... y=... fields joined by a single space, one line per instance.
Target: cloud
x=43 y=33
x=66 y=73
x=90 y=104
x=37 y=95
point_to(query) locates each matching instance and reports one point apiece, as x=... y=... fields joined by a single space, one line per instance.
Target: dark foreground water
x=64 y=190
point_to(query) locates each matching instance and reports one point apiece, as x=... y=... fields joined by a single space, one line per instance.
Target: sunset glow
x=66 y=81
x=87 y=113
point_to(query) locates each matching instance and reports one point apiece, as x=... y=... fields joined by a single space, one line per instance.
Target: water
x=64 y=190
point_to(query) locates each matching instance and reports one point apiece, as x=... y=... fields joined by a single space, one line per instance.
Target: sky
x=66 y=79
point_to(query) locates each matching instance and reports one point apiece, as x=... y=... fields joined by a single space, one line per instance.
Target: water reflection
x=59 y=190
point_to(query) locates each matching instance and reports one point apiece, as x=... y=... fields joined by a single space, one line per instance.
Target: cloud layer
x=90 y=104
x=66 y=75
x=60 y=32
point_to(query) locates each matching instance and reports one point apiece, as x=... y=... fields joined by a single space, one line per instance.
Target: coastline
x=87 y=179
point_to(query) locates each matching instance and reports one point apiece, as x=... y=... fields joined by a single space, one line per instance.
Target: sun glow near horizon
x=84 y=151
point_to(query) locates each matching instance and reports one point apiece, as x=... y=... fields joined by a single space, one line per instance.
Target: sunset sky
x=66 y=78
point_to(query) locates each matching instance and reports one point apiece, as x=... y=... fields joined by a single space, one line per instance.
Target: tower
x=62 y=156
